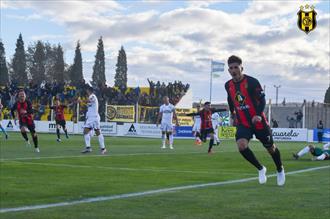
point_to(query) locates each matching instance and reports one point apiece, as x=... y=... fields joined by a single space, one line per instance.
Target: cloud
x=167 y=45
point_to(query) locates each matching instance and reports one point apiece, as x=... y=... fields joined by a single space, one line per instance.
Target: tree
x=99 y=65
x=18 y=65
x=76 y=75
x=327 y=96
x=121 y=70
x=4 y=78
x=37 y=67
x=59 y=65
x=50 y=53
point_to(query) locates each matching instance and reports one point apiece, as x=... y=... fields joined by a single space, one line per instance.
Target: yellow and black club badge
x=307 y=18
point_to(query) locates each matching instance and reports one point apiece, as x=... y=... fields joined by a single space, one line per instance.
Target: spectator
x=275 y=123
x=320 y=131
x=299 y=116
x=292 y=122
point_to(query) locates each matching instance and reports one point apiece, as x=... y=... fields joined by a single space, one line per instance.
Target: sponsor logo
x=132 y=130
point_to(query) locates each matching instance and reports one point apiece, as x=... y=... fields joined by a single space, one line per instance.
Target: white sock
x=87 y=140
x=321 y=157
x=303 y=151
x=101 y=141
x=163 y=139
x=171 y=139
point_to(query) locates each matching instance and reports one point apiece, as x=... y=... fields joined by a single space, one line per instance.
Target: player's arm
x=259 y=95
x=13 y=112
x=29 y=109
x=159 y=117
x=192 y=114
x=218 y=110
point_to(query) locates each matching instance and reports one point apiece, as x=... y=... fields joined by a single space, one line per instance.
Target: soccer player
x=2 y=129
x=215 y=124
x=24 y=110
x=206 y=123
x=92 y=122
x=318 y=153
x=247 y=101
x=197 y=127
x=166 y=115
x=59 y=118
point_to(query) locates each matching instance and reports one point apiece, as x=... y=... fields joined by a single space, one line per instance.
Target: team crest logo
x=240 y=98
x=112 y=112
x=307 y=18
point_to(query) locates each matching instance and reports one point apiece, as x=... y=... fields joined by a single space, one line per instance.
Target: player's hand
x=177 y=124
x=256 y=119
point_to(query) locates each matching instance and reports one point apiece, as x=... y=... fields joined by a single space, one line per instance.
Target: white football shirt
x=93 y=106
x=215 y=119
x=167 y=111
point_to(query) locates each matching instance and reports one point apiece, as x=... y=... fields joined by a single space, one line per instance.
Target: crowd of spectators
x=42 y=95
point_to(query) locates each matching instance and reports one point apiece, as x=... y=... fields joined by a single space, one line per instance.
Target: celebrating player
x=318 y=153
x=215 y=124
x=93 y=122
x=196 y=130
x=2 y=129
x=206 y=123
x=59 y=118
x=166 y=115
x=247 y=101
x=24 y=110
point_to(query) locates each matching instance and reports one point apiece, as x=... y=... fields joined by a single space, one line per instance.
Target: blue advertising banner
x=183 y=131
x=325 y=137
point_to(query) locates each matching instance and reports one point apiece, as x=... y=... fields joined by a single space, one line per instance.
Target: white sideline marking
x=133 y=169
x=150 y=192
x=99 y=155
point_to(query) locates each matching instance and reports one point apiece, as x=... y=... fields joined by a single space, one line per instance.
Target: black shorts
x=60 y=122
x=205 y=132
x=31 y=127
x=263 y=135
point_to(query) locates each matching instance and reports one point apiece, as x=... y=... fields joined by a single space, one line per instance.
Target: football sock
x=3 y=130
x=58 y=133
x=171 y=139
x=163 y=139
x=25 y=136
x=249 y=156
x=66 y=132
x=303 y=151
x=101 y=141
x=35 y=140
x=211 y=144
x=277 y=160
x=87 y=140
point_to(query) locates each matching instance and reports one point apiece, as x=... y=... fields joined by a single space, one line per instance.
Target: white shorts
x=93 y=123
x=165 y=127
x=196 y=127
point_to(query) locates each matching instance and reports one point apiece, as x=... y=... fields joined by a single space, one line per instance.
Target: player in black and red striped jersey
x=24 y=111
x=206 y=123
x=247 y=101
x=59 y=118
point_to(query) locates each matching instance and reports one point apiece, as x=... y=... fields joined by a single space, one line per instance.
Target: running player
x=215 y=124
x=2 y=129
x=59 y=118
x=166 y=115
x=206 y=123
x=246 y=101
x=318 y=153
x=24 y=111
x=196 y=130
x=92 y=122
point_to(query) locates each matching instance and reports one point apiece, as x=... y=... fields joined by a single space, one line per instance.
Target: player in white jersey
x=215 y=124
x=166 y=114
x=196 y=130
x=92 y=122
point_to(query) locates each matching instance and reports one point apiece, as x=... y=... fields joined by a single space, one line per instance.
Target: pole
x=77 y=113
x=52 y=111
x=304 y=116
x=269 y=111
x=106 y=111
x=211 y=83
x=277 y=87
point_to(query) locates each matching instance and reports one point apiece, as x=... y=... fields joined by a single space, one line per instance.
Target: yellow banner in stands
x=227 y=132
x=116 y=113
x=183 y=119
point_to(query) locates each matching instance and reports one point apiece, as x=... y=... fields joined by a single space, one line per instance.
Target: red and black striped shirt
x=247 y=99
x=59 y=112
x=24 y=117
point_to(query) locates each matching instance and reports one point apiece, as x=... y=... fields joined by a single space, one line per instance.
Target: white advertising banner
x=139 y=130
x=107 y=128
x=289 y=134
x=9 y=125
x=50 y=126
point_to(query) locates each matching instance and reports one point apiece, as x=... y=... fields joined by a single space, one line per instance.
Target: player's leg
x=87 y=138
x=34 y=136
x=101 y=140
x=171 y=139
x=323 y=156
x=163 y=130
x=302 y=152
x=266 y=138
x=23 y=128
x=211 y=143
x=216 y=137
x=243 y=136
x=58 y=126
x=326 y=146
x=3 y=131
x=63 y=124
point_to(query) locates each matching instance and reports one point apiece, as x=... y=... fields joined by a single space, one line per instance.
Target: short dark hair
x=234 y=59
x=89 y=88
x=207 y=103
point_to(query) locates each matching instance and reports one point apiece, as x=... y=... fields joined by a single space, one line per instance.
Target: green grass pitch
x=60 y=173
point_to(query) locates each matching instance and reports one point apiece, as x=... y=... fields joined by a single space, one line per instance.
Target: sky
x=175 y=40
